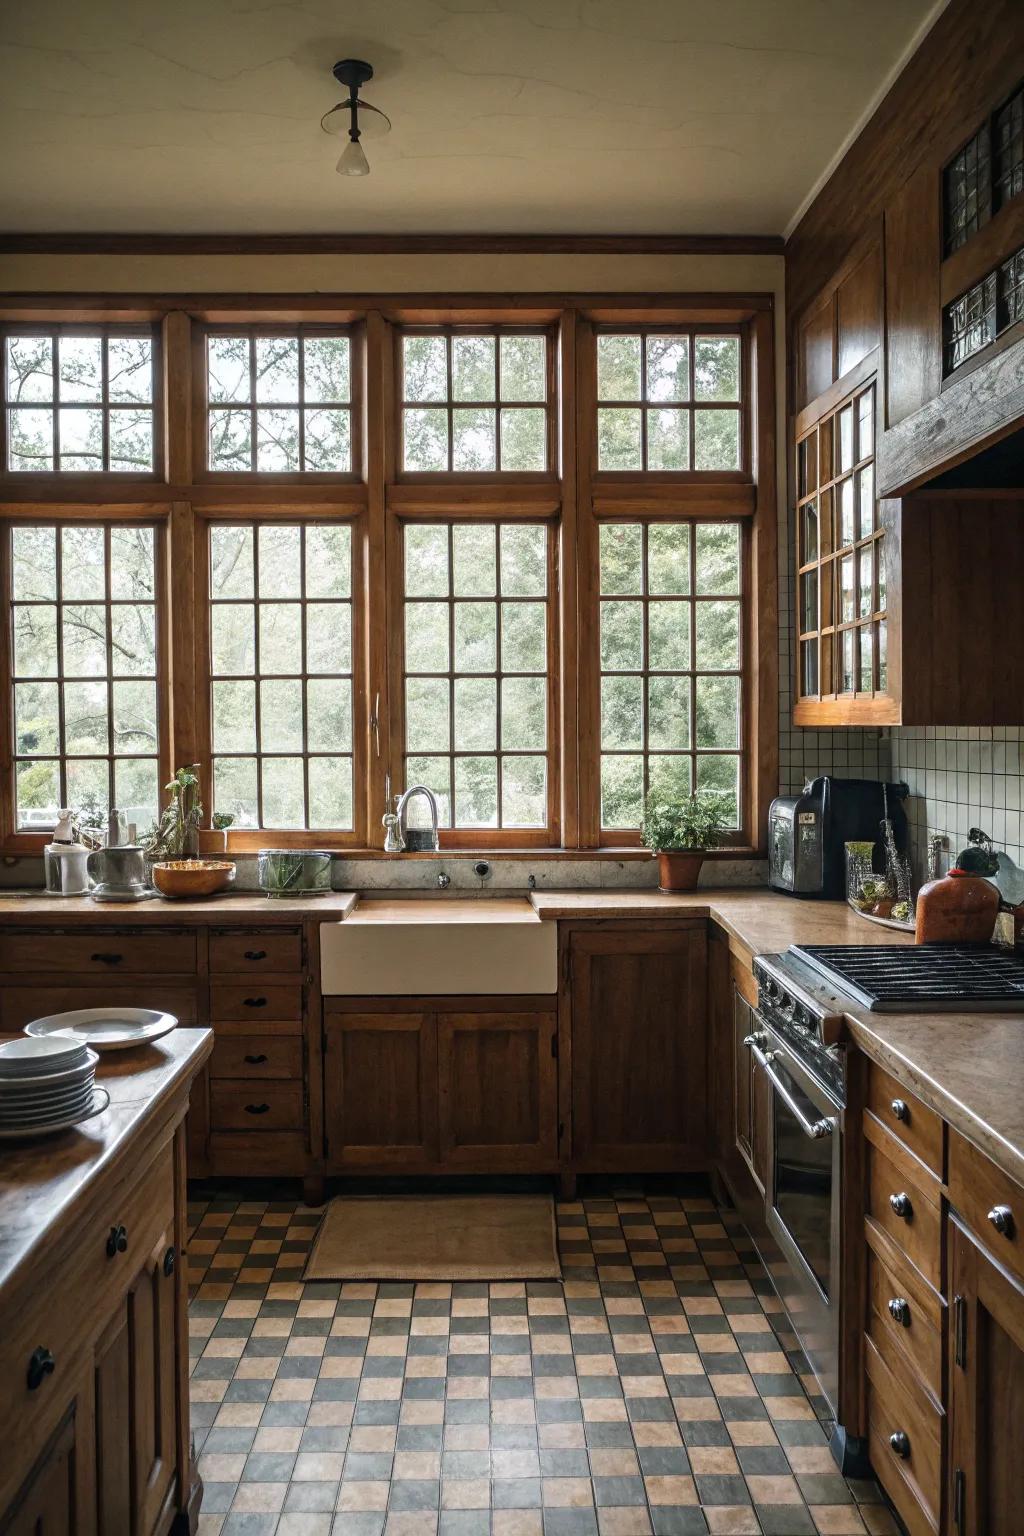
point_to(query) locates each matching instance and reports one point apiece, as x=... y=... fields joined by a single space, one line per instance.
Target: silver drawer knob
x=1001 y=1217
x=900 y=1110
x=901 y=1206
x=899 y=1310
x=899 y=1443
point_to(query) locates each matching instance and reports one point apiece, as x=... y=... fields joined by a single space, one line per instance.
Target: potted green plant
x=220 y=821
x=176 y=835
x=680 y=832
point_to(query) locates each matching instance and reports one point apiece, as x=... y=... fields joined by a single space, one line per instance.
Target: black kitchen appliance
x=806 y=832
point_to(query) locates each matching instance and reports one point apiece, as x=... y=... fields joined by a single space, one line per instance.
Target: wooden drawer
x=985 y=1196
x=896 y=1407
x=255 y=1106
x=256 y=1000
x=919 y=1128
x=258 y=1154
x=19 y=1005
x=905 y=1201
x=256 y=1056
x=81 y=1295
x=905 y=1318
x=154 y=953
x=251 y=954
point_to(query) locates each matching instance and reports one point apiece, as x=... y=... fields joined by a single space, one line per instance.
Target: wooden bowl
x=193 y=877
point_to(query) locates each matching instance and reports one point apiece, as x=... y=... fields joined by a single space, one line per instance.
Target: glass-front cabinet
x=842 y=670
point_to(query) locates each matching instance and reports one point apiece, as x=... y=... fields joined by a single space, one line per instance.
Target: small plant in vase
x=176 y=835
x=680 y=832
x=220 y=821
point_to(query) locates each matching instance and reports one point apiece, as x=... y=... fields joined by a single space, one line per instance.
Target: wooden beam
x=73 y=244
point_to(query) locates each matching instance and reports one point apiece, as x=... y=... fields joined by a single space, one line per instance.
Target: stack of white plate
x=47 y=1085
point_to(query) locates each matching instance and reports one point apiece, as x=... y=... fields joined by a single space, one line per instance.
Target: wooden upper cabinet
x=639 y=1053
x=840 y=329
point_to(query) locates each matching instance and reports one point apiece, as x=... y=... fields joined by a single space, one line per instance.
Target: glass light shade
x=353 y=162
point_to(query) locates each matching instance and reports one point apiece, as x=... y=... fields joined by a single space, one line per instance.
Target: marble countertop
x=44 y=1182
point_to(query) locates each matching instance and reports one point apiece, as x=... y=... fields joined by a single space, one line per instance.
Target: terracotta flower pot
x=678 y=870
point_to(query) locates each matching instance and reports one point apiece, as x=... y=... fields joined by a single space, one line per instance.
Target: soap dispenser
x=64 y=860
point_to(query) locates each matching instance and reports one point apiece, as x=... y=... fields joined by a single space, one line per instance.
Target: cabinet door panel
x=48 y=1504
x=639 y=1073
x=986 y=1390
x=497 y=1090
x=380 y=1089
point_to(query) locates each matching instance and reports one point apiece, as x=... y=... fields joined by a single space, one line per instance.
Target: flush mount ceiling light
x=354 y=117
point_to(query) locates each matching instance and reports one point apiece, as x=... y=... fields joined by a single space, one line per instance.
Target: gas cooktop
x=925 y=978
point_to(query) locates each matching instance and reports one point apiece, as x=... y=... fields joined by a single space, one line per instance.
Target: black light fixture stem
x=353 y=73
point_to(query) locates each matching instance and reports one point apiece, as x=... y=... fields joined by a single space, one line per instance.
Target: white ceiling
x=510 y=116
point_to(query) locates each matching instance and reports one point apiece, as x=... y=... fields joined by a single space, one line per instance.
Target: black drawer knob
x=255 y=1002
x=900 y=1110
x=117 y=1241
x=257 y=1109
x=169 y=1257
x=1001 y=1217
x=255 y=954
x=899 y=1443
x=900 y=1310
x=103 y=958
x=257 y=1060
x=902 y=1206
x=41 y=1364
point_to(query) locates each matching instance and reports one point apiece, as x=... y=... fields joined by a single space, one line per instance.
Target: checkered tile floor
x=657 y=1392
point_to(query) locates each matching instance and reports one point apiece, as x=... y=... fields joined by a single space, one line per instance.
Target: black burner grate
x=925 y=978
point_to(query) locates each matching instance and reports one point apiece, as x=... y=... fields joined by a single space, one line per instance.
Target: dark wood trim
x=73 y=244
x=994 y=243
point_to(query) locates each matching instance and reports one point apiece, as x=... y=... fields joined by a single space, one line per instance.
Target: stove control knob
x=902 y=1206
x=1001 y=1218
x=900 y=1110
x=899 y=1442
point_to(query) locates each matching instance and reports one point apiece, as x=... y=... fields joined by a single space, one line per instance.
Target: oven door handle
x=816 y=1129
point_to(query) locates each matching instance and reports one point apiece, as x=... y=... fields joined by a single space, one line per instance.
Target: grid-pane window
x=1008 y=149
x=669 y=401
x=281 y=673
x=967 y=191
x=279 y=403
x=78 y=402
x=841 y=573
x=84 y=654
x=475 y=401
x=476 y=670
x=671 y=651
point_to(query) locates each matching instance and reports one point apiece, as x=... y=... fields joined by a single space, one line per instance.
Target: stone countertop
x=45 y=1181
x=435 y=909
x=214 y=911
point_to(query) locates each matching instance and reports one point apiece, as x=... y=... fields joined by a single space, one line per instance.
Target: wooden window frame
x=497 y=328
x=253 y=329
x=12 y=480
x=481 y=838
x=572 y=497
x=617 y=837
x=17 y=842
x=692 y=330
x=248 y=839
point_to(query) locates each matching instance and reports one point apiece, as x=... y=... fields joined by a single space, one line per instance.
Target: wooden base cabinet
x=51 y=1498
x=986 y=1387
x=433 y=1085
x=639 y=1048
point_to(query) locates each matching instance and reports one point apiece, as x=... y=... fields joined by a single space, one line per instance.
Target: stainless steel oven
x=803 y=1196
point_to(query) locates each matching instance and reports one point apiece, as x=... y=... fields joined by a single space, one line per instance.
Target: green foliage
x=221 y=820
x=689 y=824
x=176 y=835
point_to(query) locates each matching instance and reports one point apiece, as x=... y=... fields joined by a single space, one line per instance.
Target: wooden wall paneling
x=913 y=319
x=859 y=311
x=969 y=61
x=816 y=350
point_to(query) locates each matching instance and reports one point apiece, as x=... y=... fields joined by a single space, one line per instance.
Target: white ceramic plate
x=37 y=1098
x=27 y=1057
x=99 y=1102
x=59 y=1109
x=52 y=1079
x=107 y=1029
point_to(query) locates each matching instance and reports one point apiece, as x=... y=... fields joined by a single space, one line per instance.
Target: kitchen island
x=94 y=1419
